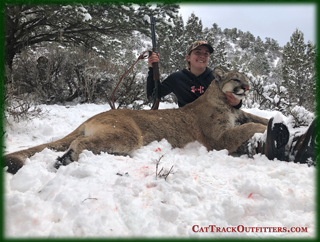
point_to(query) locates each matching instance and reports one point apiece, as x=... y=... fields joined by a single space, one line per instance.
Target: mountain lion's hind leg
x=117 y=142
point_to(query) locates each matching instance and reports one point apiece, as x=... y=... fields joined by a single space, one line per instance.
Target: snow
x=86 y=17
x=167 y=21
x=233 y=45
x=84 y=12
x=120 y=196
x=147 y=18
x=125 y=7
x=275 y=63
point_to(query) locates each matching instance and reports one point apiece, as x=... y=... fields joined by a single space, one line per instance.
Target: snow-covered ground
x=116 y=196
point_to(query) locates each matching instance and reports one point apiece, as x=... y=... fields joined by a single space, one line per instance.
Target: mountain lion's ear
x=218 y=73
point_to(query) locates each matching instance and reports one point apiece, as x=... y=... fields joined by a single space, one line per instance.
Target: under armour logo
x=200 y=89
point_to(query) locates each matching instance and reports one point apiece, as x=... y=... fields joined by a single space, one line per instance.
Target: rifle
x=156 y=77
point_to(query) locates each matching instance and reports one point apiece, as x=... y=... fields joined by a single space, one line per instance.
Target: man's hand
x=231 y=99
x=154 y=57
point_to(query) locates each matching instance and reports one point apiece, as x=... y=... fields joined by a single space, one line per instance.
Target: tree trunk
x=9 y=55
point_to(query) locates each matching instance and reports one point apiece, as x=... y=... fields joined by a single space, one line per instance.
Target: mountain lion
x=209 y=120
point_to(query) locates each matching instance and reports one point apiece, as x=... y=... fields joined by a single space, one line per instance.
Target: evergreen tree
x=298 y=70
x=216 y=30
x=240 y=33
x=267 y=43
x=193 y=29
x=210 y=37
x=249 y=36
x=259 y=65
x=244 y=43
x=231 y=34
x=173 y=47
x=271 y=44
x=246 y=40
x=226 y=33
x=180 y=45
x=235 y=63
x=310 y=71
x=274 y=45
x=219 y=57
x=164 y=36
x=276 y=74
x=234 y=34
x=258 y=46
x=244 y=62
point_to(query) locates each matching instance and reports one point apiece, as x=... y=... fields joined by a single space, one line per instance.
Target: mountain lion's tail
x=16 y=160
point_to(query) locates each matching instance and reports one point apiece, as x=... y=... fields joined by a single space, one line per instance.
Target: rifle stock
x=156 y=79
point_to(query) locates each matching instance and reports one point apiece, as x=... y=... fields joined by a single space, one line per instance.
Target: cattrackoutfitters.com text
x=244 y=229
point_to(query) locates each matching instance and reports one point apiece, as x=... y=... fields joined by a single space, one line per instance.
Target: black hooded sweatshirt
x=186 y=86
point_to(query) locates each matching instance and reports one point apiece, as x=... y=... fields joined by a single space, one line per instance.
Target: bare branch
x=168 y=173
x=157 y=164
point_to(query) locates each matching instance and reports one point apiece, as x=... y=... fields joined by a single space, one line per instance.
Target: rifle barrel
x=156 y=76
x=153 y=34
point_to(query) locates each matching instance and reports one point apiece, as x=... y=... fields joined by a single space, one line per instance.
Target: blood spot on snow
x=150 y=185
x=250 y=195
x=157 y=150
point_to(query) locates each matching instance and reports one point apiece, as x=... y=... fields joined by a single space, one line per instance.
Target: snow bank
x=121 y=196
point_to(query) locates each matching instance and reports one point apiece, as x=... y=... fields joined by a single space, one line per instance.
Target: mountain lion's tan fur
x=209 y=120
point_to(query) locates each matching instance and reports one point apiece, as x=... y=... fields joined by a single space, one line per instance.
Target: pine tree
x=298 y=70
x=271 y=44
x=164 y=36
x=258 y=46
x=235 y=63
x=244 y=43
x=249 y=36
x=246 y=40
x=234 y=34
x=219 y=56
x=259 y=65
x=310 y=68
x=193 y=29
x=172 y=47
x=210 y=36
x=216 y=30
x=179 y=44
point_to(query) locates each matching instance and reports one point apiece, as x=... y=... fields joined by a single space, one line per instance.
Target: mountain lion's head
x=232 y=81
